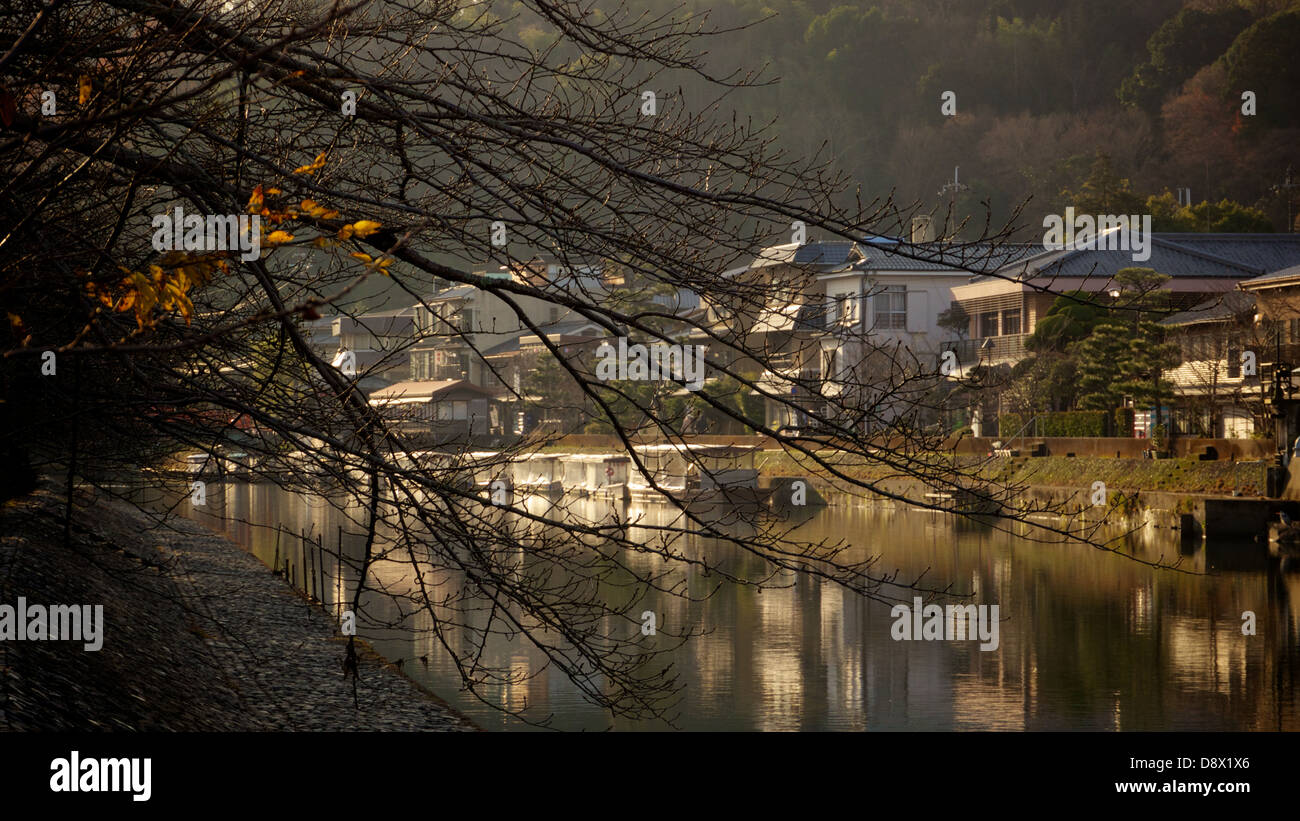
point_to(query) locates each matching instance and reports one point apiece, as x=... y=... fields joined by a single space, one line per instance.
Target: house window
x=828 y=363
x=988 y=324
x=841 y=309
x=1011 y=321
x=891 y=308
x=1234 y=363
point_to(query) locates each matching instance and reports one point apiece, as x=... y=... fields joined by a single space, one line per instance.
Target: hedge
x=1059 y=423
x=1124 y=422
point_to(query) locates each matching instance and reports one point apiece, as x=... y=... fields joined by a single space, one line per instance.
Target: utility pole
x=1284 y=190
x=951 y=189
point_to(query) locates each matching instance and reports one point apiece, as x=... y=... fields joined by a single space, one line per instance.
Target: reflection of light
x=515 y=690
x=780 y=686
x=1206 y=656
x=979 y=705
x=1140 y=603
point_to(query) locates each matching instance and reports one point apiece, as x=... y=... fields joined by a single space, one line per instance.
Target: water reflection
x=1088 y=640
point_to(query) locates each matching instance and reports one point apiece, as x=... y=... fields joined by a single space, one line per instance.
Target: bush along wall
x=1063 y=423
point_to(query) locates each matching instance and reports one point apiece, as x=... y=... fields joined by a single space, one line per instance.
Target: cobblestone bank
x=198 y=635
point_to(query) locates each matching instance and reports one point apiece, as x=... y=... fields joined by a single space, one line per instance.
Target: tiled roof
x=948 y=256
x=1231 y=256
x=1266 y=252
x=1285 y=273
x=456 y=292
x=824 y=253
x=1228 y=305
x=421 y=389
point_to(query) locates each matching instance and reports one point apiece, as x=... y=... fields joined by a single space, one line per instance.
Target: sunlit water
x=1088 y=640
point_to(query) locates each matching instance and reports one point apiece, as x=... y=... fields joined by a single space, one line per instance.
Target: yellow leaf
x=274 y=191
x=346 y=232
x=315 y=166
x=365 y=228
x=84 y=88
x=310 y=206
x=279 y=236
x=255 y=201
x=361 y=256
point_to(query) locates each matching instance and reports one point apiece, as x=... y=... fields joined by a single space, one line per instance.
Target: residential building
x=1218 y=392
x=1005 y=305
x=450 y=409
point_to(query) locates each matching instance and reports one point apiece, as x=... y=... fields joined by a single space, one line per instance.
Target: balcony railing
x=989 y=349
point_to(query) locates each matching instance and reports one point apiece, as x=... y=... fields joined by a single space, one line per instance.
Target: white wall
x=928 y=295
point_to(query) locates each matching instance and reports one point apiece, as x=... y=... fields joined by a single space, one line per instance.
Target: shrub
x=1124 y=422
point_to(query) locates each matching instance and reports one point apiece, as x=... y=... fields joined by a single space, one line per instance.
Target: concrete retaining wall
x=1125 y=448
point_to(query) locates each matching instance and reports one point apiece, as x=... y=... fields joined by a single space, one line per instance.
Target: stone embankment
x=197 y=634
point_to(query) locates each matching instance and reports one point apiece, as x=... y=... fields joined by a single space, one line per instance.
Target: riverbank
x=1210 y=478
x=197 y=634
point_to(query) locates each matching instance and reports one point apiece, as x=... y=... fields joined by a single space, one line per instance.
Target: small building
x=448 y=409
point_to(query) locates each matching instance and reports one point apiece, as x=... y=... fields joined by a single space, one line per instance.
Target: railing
x=1008 y=443
x=988 y=349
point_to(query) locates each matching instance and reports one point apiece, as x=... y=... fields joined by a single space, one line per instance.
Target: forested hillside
x=1103 y=103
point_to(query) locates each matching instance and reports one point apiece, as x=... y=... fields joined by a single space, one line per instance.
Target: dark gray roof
x=1231 y=256
x=456 y=292
x=824 y=253
x=1285 y=273
x=1225 y=306
x=946 y=256
x=567 y=327
x=508 y=346
x=1266 y=252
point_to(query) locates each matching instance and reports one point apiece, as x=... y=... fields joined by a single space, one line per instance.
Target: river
x=1088 y=640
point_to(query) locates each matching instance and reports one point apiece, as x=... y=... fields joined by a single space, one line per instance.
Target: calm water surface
x=1088 y=640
